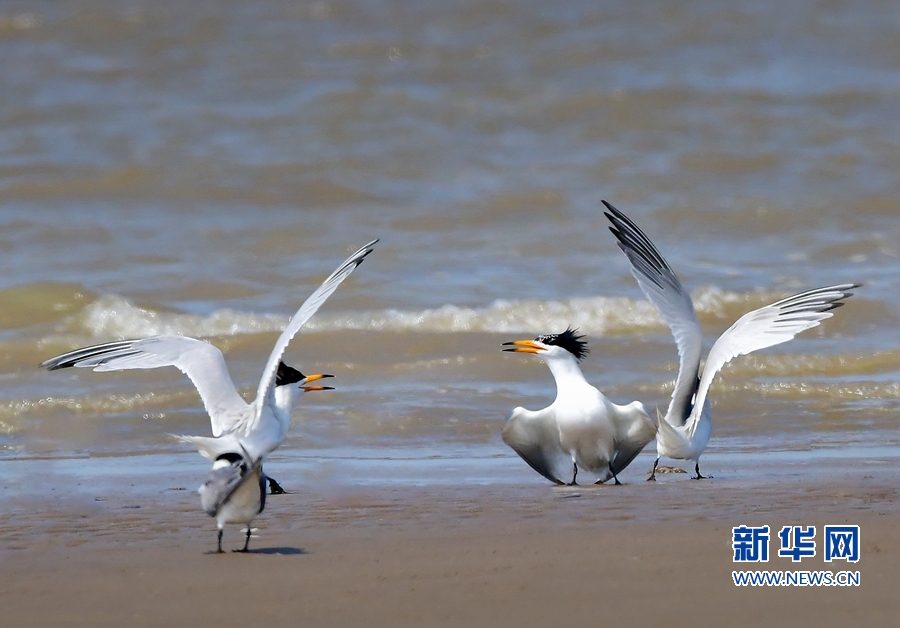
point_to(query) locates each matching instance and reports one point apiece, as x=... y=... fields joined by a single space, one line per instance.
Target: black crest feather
x=230 y=457
x=234 y=458
x=570 y=340
x=287 y=375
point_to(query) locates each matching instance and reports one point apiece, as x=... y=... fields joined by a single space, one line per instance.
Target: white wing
x=634 y=429
x=309 y=307
x=225 y=479
x=769 y=326
x=535 y=437
x=659 y=283
x=199 y=360
x=219 y=486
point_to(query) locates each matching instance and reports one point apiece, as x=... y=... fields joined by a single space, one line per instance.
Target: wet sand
x=517 y=554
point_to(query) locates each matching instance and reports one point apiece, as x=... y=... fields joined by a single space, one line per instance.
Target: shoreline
x=453 y=554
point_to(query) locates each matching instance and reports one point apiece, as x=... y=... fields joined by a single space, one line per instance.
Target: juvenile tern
x=257 y=428
x=581 y=428
x=685 y=430
x=235 y=492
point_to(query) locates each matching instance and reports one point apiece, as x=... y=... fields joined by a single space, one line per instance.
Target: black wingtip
x=620 y=224
x=612 y=208
x=613 y=212
x=365 y=251
x=55 y=364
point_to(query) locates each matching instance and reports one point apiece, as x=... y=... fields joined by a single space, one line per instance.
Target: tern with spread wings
x=685 y=429
x=249 y=430
x=581 y=429
x=234 y=492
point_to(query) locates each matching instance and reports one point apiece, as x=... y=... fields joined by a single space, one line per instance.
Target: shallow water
x=198 y=169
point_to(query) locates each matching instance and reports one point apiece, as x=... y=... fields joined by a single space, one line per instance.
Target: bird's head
x=566 y=344
x=229 y=459
x=299 y=383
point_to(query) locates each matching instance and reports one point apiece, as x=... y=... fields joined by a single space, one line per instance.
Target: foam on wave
x=112 y=316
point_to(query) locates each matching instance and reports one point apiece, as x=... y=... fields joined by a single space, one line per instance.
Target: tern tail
x=210 y=448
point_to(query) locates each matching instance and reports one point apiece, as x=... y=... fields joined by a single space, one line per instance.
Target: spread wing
x=535 y=437
x=199 y=360
x=659 y=283
x=634 y=429
x=219 y=486
x=771 y=325
x=224 y=479
x=309 y=307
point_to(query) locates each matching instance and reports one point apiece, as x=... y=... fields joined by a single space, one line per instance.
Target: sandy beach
x=199 y=168
x=502 y=555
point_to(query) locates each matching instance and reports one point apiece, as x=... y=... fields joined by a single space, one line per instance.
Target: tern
x=255 y=429
x=581 y=427
x=685 y=429
x=235 y=492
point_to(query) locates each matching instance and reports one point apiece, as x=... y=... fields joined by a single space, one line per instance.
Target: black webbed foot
x=614 y=475
x=652 y=477
x=574 y=475
x=700 y=477
x=274 y=487
x=245 y=549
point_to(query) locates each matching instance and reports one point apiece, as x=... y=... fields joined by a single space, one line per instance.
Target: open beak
x=523 y=346
x=313 y=378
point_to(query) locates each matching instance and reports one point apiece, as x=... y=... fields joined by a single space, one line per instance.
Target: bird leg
x=245 y=549
x=274 y=487
x=574 y=474
x=614 y=474
x=219 y=550
x=652 y=477
x=700 y=477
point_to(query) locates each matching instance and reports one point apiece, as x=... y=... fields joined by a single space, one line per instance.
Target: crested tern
x=581 y=428
x=685 y=429
x=234 y=492
x=257 y=428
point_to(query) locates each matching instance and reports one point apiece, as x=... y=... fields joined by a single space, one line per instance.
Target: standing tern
x=685 y=430
x=581 y=427
x=235 y=492
x=257 y=428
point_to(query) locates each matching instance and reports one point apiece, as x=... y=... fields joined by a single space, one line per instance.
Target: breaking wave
x=111 y=316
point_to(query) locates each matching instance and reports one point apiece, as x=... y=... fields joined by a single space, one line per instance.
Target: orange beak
x=523 y=346
x=313 y=378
